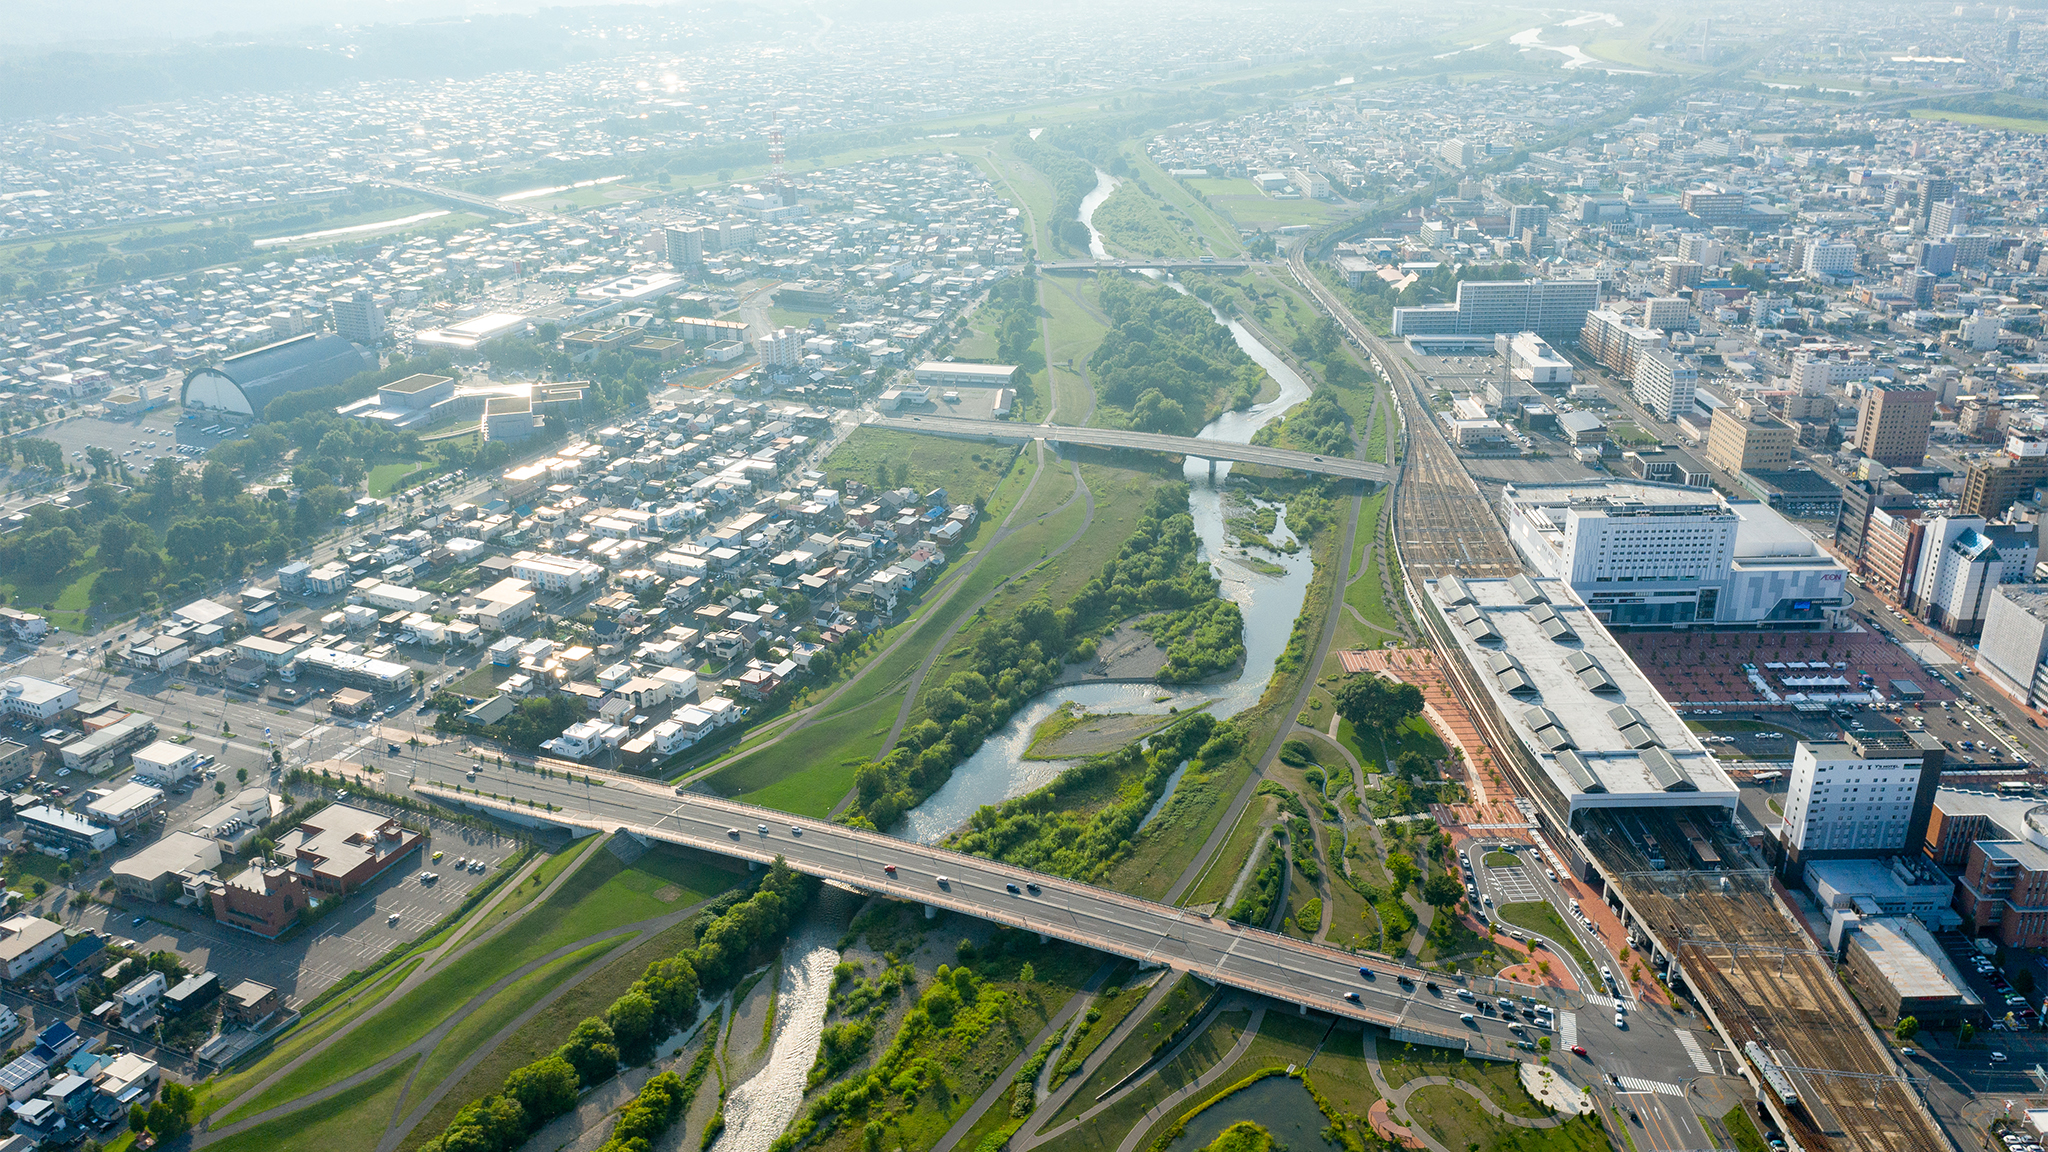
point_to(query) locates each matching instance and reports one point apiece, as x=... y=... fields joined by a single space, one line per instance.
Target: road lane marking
x=1638 y=1084
x=1689 y=1041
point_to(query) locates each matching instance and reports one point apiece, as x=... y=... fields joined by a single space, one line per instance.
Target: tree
x=1402 y=867
x=546 y=1088
x=1907 y=1028
x=1442 y=892
x=1965 y=1033
x=171 y=1116
x=1375 y=704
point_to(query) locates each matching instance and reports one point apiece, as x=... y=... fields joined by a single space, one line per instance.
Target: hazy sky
x=114 y=22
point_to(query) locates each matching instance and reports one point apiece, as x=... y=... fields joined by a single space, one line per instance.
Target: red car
x=1578 y=1049
x=889 y=868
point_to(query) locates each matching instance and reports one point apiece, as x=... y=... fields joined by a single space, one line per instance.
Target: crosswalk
x=1638 y=1084
x=1568 y=1028
x=1597 y=1001
x=1690 y=1041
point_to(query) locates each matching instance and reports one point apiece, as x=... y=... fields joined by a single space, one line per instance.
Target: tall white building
x=1870 y=795
x=1664 y=383
x=1531 y=359
x=1962 y=562
x=1828 y=258
x=782 y=350
x=685 y=247
x=1645 y=555
x=358 y=319
x=1667 y=312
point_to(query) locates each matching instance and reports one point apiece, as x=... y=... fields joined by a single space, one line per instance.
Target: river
x=998 y=771
x=759 y=1109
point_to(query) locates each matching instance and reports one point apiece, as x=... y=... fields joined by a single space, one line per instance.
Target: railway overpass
x=1291 y=971
x=1139 y=265
x=1211 y=450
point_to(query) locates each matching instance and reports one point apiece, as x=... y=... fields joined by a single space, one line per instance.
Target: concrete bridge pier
x=1044 y=939
x=1212 y=471
x=930 y=913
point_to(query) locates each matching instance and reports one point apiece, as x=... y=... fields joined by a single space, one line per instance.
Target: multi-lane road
x=1143 y=442
x=1291 y=971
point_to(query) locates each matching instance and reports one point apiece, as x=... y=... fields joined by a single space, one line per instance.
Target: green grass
x=1742 y=1129
x=484 y=1023
x=2008 y=123
x=1239 y=201
x=602 y=894
x=533 y=886
x=352 y=1121
x=809 y=771
x=1502 y=860
x=1538 y=916
x=1222 y=238
x=385 y=477
x=310 y=1031
x=1103 y=1133
x=1400 y=1063
x=1368 y=594
x=964 y=468
x=1457 y=1121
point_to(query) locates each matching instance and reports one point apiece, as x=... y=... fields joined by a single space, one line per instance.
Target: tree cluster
x=1166 y=360
x=1158 y=567
x=1064 y=829
x=1375 y=704
x=1200 y=641
x=663 y=998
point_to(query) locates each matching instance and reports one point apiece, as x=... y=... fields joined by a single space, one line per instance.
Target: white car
x=1998 y=1057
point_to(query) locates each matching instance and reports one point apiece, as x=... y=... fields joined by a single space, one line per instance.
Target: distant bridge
x=1131 y=265
x=1211 y=450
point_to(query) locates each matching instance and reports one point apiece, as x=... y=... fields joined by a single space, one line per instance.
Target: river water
x=758 y=1110
x=998 y=771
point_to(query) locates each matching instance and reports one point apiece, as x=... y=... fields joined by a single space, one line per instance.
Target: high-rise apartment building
x=1459 y=153
x=1664 y=384
x=358 y=319
x=1946 y=217
x=1892 y=421
x=1668 y=313
x=2014 y=651
x=1868 y=796
x=1703 y=250
x=1828 y=258
x=685 y=247
x=1522 y=217
x=1933 y=190
x=1740 y=441
x=782 y=350
x=1616 y=340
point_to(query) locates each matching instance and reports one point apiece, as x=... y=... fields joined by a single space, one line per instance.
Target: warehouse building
x=1901 y=971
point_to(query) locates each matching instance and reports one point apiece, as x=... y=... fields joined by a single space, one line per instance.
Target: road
x=1288 y=970
x=1142 y=442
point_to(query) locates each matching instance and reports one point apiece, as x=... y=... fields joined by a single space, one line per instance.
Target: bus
x=1767 y=778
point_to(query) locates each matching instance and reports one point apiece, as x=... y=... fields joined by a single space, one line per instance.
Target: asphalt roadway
x=1290 y=971
x=1142 y=442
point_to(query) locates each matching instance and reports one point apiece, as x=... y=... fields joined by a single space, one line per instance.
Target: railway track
x=1765 y=981
x=1442 y=522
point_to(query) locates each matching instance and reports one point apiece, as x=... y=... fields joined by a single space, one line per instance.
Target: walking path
x=1001 y=1088
x=425 y=1045
x=1396 y=1100
x=1210 y=1076
x=413 y=980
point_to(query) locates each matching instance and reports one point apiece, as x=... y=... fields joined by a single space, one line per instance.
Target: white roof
x=1586 y=704
x=164 y=754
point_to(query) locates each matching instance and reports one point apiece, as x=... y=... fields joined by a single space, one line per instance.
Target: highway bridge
x=1211 y=450
x=466 y=201
x=1291 y=971
x=1140 y=265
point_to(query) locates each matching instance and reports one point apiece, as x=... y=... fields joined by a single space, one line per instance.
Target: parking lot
x=305 y=963
x=1987 y=982
x=137 y=441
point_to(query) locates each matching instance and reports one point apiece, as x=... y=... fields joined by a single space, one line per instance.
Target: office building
x=1892 y=422
x=1489 y=307
x=1739 y=440
x=1703 y=250
x=1935 y=257
x=123 y=808
x=1992 y=483
x=35 y=700
x=1900 y=970
x=1869 y=796
x=1861 y=498
x=100 y=750
x=354 y=669
x=26 y=943
x=1664 y=384
x=1660 y=556
x=1531 y=360
x=2013 y=653
x=162 y=870
x=358 y=319
x=1460 y=153
x=165 y=764
x=1714 y=206
x=63 y=833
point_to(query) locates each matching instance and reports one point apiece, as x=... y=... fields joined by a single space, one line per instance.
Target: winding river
x=758 y=1110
